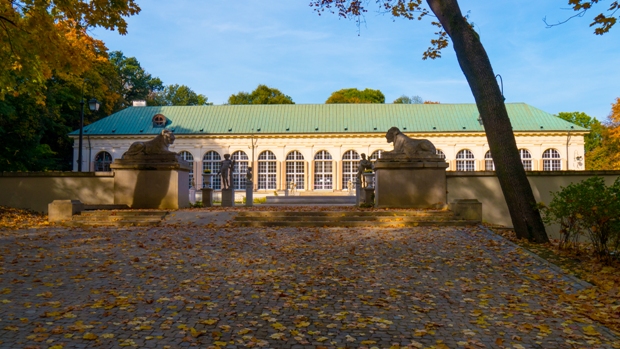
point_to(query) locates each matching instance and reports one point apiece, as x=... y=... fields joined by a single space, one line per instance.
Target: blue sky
x=218 y=48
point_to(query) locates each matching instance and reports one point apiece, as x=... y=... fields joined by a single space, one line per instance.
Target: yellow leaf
x=277 y=336
x=107 y=335
x=322 y=339
x=368 y=342
x=220 y=343
x=590 y=331
x=90 y=336
x=195 y=333
x=303 y=324
x=244 y=331
x=11 y=328
x=208 y=321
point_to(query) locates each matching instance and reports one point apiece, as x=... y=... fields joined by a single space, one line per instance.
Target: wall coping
x=535 y=173
x=57 y=174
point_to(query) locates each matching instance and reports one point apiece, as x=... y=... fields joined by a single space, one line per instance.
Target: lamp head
x=93 y=104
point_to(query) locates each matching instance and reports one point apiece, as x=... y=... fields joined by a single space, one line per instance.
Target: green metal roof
x=319 y=118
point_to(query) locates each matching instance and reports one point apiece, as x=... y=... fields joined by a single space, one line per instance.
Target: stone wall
x=35 y=190
x=485 y=187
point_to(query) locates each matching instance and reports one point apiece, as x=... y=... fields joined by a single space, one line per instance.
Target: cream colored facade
x=565 y=151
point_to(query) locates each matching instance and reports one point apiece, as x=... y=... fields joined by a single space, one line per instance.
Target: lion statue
x=408 y=148
x=157 y=146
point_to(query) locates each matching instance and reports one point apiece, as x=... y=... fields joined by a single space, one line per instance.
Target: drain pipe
x=90 y=150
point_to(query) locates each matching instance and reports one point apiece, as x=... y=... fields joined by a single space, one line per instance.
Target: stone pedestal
x=368 y=196
x=63 y=210
x=207 y=197
x=249 y=194
x=414 y=183
x=228 y=197
x=469 y=209
x=151 y=181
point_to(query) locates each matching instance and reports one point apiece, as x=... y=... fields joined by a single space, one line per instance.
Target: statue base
x=207 y=197
x=151 y=181
x=228 y=197
x=249 y=194
x=410 y=183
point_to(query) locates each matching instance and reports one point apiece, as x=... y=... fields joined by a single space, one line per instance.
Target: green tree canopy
x=353 y=95
x=41 y=39
x=133 y=82
x=177 y=95
x=261 y=95
x=593 y=139
x=404 y=99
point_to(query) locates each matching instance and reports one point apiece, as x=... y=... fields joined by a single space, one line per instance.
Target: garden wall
x=35 y=190
x=484 y=186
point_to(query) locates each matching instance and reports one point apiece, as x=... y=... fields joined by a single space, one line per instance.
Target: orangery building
x=318 y=146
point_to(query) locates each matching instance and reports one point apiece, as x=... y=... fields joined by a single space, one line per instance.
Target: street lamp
x=93 y=105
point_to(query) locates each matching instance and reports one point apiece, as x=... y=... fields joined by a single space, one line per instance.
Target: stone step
x=346 y=218
x=118 y=218
x=354 y=223
x=90 y=207
x=311 y=199
x=396 y=213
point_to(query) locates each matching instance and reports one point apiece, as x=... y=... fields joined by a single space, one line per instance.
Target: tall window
x=551 y=160
x=440 y=153
x=526 y=159
x=241 y=169
x=103 y=161
x=375 y=155
x=465 y=161
x=323 y=177
x=295 y=169
x=267 y=170
x=489 y=165
x=185 y=155
x=350 y=161
x=211 y=161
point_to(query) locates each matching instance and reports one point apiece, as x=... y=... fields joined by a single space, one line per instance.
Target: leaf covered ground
x=225 y=287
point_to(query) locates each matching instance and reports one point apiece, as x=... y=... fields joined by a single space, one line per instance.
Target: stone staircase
x=117 y=218
x=398 y=218
x=311 y=200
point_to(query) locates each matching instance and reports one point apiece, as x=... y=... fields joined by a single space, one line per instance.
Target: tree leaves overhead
x=261 y=95
x=41 y=38
x=593 y=139
x=353 y=95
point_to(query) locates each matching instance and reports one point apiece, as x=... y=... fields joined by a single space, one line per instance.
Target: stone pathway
x=183 y=286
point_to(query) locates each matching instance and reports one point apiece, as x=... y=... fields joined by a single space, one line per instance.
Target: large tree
x=476 y=67
x=261 y=95
x=177 y=95
x=38 y=39
x=404 y=99
x=353 y=95
x=133 y=82
x=607 y=155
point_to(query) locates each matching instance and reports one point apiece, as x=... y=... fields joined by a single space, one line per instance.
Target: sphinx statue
x=155 y=147
x=406 y=148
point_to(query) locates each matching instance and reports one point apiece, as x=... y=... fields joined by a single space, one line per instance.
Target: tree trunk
x=477 y=68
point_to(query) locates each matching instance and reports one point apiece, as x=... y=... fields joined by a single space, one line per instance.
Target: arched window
x=551 y=160
x=212 y=161
x=240 y=170
x=526 y=159
x=295 y=171
x=323 y=177
x=350 y=161
x=102 y=161
x=440 y=153
x=267 y=173
x=489 y=165
x=376 y=155
x=187 y=156
x=465 y=161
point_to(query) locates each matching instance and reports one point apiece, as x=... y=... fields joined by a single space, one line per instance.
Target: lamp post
x=93 y=105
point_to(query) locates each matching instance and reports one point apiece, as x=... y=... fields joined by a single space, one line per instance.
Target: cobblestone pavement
x=178 y=286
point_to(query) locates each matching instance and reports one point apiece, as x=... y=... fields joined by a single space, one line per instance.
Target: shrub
x=588 y=207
